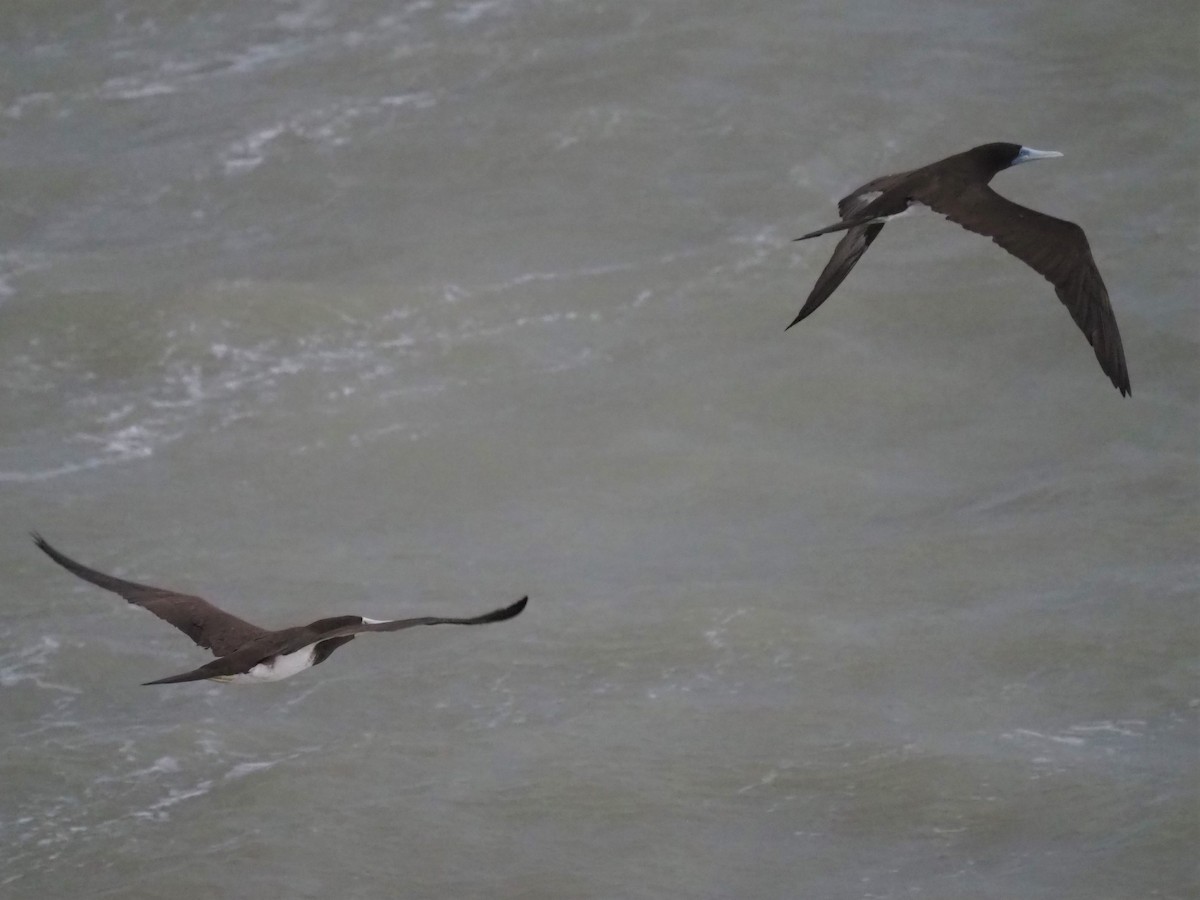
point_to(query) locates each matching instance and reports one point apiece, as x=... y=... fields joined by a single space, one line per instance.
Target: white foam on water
x=249 y=152
x=467 y=13
x=133 y=88
x=1122 y=727
x=173 y=797
x=164 y=765
x=29 y=664
x=1103 y=734
x=418 y=99
x=241 y=770
x=1053 y=738
x=35 y=100
x=114 y=803
x=333 y=125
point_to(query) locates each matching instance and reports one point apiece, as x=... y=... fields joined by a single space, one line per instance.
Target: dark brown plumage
x=246 y=652
x=957 y=187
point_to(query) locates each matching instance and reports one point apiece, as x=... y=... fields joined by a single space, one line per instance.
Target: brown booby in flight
x=246 y=653
x=957 y=187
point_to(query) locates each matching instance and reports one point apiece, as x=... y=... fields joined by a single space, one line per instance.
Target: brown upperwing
x=1054 y=248
x=496 y=615
x=854 y=243
x=210 y=627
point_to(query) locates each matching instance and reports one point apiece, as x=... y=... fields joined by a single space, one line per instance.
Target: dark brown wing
x=1057 y=250
x=845 y=255
x=210 y=627
x=218 y=668
x=860 y=232
x=496 y=615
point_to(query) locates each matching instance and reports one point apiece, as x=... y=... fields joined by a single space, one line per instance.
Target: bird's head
x=999 y=156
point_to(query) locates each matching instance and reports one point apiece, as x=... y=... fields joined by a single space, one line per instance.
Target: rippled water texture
x=395 y=309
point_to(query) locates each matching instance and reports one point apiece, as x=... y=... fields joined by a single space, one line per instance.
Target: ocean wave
x=42 y=829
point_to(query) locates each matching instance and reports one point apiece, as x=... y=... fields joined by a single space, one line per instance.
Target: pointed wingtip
x=507 y=612
x=1121 y=383
x=175 y=679
x=496 y=615
x=44 y=545
x=1120 y=378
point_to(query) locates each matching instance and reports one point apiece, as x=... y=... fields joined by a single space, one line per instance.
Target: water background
x=406 y=308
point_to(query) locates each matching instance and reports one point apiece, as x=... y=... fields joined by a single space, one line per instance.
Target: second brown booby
x=957 y=187
x=246 y=653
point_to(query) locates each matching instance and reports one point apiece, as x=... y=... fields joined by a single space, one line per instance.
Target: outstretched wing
x=497 y=615
x=1054 y=248
x=845 y=255
x=210 y=627
x=861 y=212
x=862 y=226
x=326 y=637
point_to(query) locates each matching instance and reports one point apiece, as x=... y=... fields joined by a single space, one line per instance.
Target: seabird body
x=276 y=668
x=957 y=187
x=247 y=654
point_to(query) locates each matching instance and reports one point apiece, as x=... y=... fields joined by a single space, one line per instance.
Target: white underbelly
x=281 y=667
